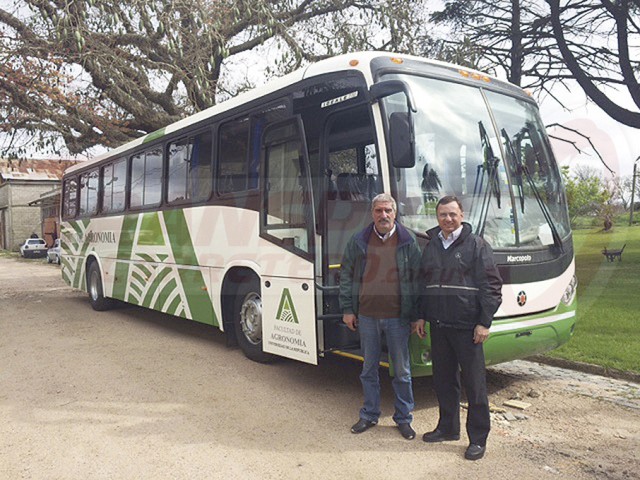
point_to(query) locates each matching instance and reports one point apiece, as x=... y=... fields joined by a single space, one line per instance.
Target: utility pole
x=633 y=191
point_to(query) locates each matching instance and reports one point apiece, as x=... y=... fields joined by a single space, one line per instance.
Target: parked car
x=53 y=254
x=33 y=247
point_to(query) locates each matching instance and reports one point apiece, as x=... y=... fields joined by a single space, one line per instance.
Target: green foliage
x=607 y=328
x=586 y=195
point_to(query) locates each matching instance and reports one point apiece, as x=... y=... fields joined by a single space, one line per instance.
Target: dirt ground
x=130 y=393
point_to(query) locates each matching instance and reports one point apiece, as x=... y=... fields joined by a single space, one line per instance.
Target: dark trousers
x=453 y=353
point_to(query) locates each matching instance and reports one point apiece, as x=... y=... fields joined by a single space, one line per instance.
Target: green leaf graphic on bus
x=75 y=243
x=286 y=310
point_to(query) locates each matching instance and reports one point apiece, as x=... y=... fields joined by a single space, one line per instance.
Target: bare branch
x=575 y=145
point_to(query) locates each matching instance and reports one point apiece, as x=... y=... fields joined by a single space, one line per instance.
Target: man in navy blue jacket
x=460 y=293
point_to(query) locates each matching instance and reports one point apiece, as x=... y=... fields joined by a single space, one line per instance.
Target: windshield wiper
x=511 y=153
x=490 y=166
x=521 y=168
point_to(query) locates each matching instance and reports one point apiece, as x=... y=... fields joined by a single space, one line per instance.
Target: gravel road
x=133 y=394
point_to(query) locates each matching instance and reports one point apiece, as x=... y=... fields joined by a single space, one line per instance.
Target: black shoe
x=406 y=431
x=438 y=436
x=362 y=426
x=474 y=452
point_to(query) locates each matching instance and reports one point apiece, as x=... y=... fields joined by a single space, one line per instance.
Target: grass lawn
x=608 y=327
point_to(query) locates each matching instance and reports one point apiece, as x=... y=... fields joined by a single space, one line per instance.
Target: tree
x=499 y=34
x=99 y=72
x=540 y=44
x=586 y=193
x=621 y=188
x=617 y=19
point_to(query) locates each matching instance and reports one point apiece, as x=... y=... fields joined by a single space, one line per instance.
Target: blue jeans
x=397 y=333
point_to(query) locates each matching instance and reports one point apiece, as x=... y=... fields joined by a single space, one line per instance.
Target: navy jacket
x=460 y=286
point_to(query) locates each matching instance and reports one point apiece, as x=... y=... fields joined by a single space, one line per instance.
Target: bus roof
x=360 y=61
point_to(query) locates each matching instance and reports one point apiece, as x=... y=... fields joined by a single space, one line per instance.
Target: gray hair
x=384 y=198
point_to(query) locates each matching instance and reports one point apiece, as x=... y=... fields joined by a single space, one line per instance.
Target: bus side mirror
x=391 y=87
x=401 y=139
x=402 y=143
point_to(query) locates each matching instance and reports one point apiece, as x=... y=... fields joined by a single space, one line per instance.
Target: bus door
x=352 y=171
x=287 y=220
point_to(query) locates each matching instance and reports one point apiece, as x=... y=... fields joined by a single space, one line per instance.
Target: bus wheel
x=94 y=285
x=248 y=321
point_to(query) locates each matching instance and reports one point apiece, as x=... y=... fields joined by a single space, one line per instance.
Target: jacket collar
x=432 y=233
x=404 y=237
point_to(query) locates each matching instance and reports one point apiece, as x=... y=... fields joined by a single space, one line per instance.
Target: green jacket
x=408 y=256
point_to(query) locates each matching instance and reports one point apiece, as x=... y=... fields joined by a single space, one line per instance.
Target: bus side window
x=70 y=195
x=89 y=193
x=189 y=168
x=238 y=165
x=259 y=122
x=286 y=199
x=353 y=160
x=114 y=181
x=146 y=178
x=137 y=179
x=200 y=176
x=178 y=154
x=233 y=140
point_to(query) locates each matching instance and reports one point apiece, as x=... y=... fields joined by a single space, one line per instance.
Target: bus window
x=114 y=182
x=232 y=158
x=354 y=178
x=189 y=169
x=239 y=149
x=348 y=180
x=70 y=193
x=536 y=182
x=89 y=193
x=146 y=178
x=259 y=122
x=285 y=180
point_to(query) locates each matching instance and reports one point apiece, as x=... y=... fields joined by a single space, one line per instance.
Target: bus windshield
x=504 y=172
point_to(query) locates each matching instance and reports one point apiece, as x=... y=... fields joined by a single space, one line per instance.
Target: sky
x=618 y=145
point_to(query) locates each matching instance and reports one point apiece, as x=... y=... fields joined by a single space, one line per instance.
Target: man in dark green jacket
x=378 y=294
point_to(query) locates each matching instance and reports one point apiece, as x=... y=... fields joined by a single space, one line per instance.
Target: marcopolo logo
x=286 y=310
x=518 y=258
x=521 y=298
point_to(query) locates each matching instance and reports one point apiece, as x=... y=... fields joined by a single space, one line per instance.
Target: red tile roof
x=34 y=169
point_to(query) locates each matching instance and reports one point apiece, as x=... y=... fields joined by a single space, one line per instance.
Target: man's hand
x=480 y=334
x=417 y=327
x=350 y=320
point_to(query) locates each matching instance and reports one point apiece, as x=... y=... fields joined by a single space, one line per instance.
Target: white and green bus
x=238 y=216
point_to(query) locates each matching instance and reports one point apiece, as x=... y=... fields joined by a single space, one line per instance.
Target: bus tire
x=247 y=318
x=96 y=293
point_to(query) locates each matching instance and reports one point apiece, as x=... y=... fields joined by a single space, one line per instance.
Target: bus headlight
x=570 y=292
